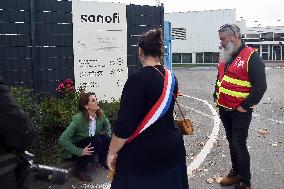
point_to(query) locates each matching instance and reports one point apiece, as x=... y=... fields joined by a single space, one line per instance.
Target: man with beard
x=240 y=85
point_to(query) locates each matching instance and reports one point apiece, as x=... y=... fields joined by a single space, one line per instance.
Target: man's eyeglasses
x=223 y=28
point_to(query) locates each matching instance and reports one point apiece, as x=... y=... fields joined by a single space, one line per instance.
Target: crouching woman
x=87 y=135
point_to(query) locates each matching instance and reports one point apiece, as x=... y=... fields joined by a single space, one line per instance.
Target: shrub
x=110 y=109
x=29 y=102
x=59 y=109
x=46 y=147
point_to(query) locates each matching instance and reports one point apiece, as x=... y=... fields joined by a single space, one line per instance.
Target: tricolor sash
x=160 y=107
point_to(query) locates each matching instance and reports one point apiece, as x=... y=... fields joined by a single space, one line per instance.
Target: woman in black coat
x=155 y=157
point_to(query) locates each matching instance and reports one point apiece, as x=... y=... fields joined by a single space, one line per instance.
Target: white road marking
x=197 y=111
x=209 y=144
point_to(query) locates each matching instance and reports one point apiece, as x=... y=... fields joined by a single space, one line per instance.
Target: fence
x=36 y=40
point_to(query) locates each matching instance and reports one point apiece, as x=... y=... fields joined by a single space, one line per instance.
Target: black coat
x=16 y=134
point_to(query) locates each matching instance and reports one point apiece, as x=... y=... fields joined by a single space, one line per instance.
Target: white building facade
x=197 y=40
x=196 y=34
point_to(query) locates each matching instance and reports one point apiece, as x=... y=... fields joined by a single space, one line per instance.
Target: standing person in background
x=88 y=134
x=147 y=150
x=16 y=134
x=240 y=85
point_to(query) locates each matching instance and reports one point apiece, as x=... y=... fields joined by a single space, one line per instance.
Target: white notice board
x=100 y=48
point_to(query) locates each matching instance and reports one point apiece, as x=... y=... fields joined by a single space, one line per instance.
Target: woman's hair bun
x=151 y=42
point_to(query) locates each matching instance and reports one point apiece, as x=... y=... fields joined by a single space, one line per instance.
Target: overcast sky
x=265 y=12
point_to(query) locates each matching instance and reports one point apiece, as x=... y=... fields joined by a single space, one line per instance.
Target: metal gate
x=36 y=40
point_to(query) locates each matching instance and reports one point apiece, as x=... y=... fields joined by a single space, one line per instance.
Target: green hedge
x=58 y=111
x=110 y=109
x=30 y=103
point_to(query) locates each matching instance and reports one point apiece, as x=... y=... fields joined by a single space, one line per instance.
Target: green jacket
x=78 y=130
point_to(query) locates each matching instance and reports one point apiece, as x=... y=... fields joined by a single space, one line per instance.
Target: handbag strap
x=175 y=98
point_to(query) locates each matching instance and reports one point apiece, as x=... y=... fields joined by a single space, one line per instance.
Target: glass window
x=186 y=57
x=276 y=52
x=270 y=52
x=264 y=48
x=252 y=36
x=199 y=57
x=252 y=40
x=176 y=58
x=278 y=36
x=267 y=36
x=216 y=57
x=264 y=56
x=282 y=52
x=208 y=57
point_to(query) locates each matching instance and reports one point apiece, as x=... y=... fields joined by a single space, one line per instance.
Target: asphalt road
x=266 y=148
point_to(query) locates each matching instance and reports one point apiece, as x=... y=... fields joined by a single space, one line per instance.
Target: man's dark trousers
x=236 y=125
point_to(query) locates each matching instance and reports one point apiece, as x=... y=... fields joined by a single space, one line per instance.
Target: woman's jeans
x=100 y=144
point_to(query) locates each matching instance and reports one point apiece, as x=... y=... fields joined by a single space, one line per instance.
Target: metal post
x=34 y=70
x=281 y=52
x=167 y=45
x=162 y=15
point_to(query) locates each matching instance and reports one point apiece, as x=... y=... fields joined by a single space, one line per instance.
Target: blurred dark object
x=42 y=172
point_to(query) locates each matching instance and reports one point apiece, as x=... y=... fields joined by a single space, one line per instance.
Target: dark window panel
x=176 y=58
x=264 y=48
x=276 y=52
x=208 y=57
x=186 y=57
x=199 y=58
x=264 y=56
x=215 y=57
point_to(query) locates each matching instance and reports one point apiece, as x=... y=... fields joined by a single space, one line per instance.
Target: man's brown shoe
x=230 y=179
